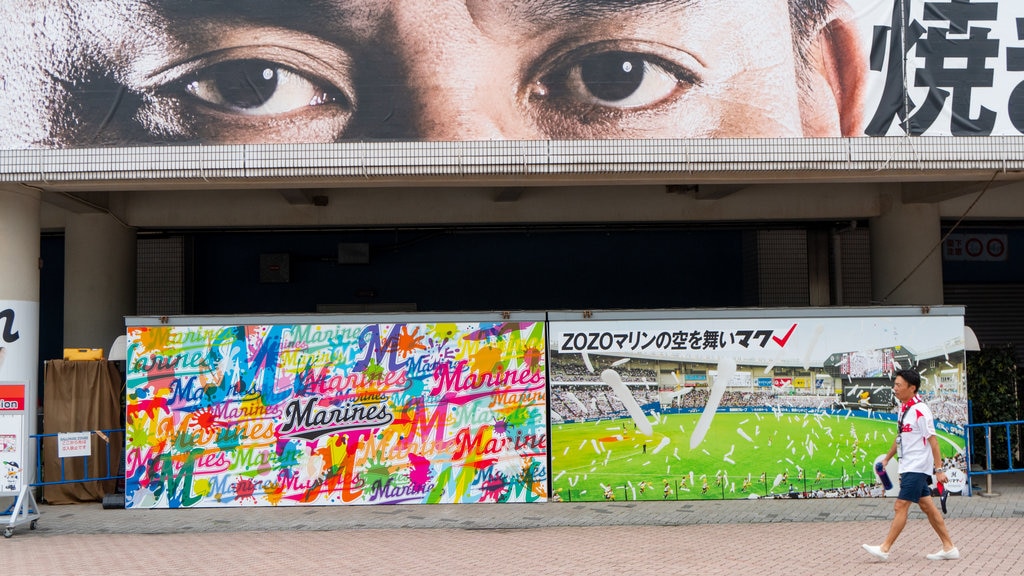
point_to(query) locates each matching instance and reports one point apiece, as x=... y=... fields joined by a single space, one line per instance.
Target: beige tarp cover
x=81 y=396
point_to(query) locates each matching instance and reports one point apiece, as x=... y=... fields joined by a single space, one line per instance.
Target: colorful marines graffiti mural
x=336 y=414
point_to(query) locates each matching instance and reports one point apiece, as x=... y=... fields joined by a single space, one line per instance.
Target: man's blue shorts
x=914 y=486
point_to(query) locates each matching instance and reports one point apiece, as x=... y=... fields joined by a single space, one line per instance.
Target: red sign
x=780 y=382
x=12 y=397
x=977 y=247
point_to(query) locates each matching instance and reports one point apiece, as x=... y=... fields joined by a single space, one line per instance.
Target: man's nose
x=420 y=107
x=459 y=83
x=440 y=114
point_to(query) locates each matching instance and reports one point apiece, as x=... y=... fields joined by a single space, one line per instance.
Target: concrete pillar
x=906 y=261
x=19 y=308
x=99 y=279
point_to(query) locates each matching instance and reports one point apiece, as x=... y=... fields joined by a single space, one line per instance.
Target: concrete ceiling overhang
x=513 y=164
x=722 y=174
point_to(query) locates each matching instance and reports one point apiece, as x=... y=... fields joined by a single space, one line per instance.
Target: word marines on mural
x=484 y=442
x=677 y=340
x=309 y=419
x=461 y=379
x=390 y=489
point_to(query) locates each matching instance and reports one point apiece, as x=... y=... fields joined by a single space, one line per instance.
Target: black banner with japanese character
x=948 y=68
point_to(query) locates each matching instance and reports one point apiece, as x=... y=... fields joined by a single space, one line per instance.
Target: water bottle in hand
x=883 y=476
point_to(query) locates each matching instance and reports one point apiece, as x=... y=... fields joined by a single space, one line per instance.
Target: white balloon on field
x=726 y=370
x=614 y=381
x=586 y=361
x=728 y=455
x=661 y=445
x=818 y=331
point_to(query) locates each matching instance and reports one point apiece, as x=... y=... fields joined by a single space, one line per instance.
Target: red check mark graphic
x=782 y=341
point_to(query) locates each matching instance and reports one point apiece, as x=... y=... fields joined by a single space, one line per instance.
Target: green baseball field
x=747 y=453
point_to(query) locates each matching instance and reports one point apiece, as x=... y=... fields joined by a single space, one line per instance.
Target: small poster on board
x=12 y=406
x=11 y=472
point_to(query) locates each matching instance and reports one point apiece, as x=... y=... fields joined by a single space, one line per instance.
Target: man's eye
x=258 y=88
x=616 y=79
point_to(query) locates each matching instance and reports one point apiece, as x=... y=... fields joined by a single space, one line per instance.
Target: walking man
x=919 y=455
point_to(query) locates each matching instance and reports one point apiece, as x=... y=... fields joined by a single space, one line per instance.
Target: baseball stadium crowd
x=575 y=373
x=949 y=409
x=698 y=398
x=583 y=401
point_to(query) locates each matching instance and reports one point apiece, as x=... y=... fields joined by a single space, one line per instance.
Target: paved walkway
x=791 y=537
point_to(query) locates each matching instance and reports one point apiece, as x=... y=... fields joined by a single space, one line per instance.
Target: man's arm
x=940 y=475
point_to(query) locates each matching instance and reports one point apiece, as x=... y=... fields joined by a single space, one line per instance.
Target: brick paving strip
x=734 y=537
x=990 y=546
x=92 y=519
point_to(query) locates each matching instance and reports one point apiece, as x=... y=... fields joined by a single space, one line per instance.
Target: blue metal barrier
x=113 y=436
x=984 y=465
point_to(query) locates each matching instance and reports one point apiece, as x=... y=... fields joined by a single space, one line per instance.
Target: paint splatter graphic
x=279 y=415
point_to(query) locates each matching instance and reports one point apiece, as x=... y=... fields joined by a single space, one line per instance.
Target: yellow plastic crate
x=83 y=353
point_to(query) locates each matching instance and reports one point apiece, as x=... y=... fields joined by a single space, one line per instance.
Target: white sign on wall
x=71 y=444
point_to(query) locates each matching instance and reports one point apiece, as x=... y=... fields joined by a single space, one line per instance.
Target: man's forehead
x=364 y=18
x=524 y=15
x=579 y=8
x=309 y=8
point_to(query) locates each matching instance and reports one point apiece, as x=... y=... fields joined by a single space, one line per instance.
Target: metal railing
x=994 y=448
x=113 y=436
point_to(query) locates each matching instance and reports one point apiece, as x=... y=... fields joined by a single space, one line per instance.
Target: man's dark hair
x=806 y=17
x=912 y=378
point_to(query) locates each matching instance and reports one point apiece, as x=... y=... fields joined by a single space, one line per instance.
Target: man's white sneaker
x=876 y=551
x=951 y=554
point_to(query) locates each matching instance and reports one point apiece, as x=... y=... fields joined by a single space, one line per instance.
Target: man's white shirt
x=918 y=425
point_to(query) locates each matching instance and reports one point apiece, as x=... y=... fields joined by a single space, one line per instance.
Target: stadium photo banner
x=279 y=414
x=704 y=407
x=95 y=74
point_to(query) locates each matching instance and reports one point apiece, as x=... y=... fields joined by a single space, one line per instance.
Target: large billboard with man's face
x=98 y=73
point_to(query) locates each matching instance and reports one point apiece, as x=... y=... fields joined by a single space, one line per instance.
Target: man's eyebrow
x=594 y=8
x=527 y=8
x=257 y=8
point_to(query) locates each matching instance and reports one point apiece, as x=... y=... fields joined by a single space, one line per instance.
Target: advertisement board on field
x=627 y=423
x=334 y=414
x=143 y=72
